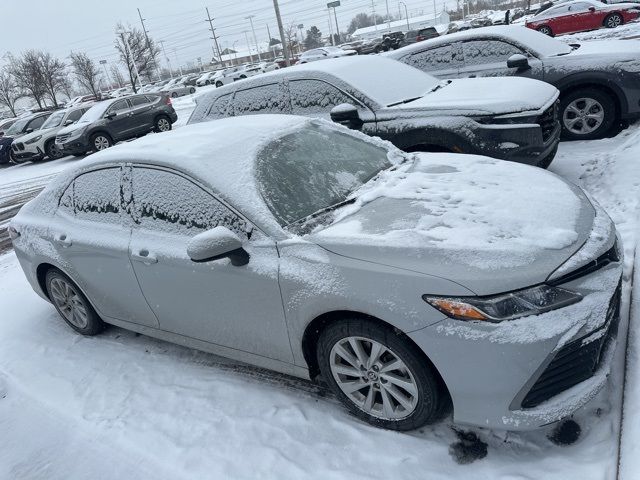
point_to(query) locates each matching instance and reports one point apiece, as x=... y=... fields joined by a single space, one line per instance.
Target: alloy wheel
x=69 y=303
x=374 y=378
x=583 y=116
x=614 y=21
x=163 y=125
x=101 y=142
x=52 y=151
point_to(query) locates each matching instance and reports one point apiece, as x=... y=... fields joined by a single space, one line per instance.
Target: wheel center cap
x=372 y=375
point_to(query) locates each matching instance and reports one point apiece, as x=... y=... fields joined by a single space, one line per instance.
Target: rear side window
x=139 y=100
x=310 y=97
x=118 y=106
x=220 y=107
x=95 y=196
x=440 y=58
x=166 y=202
x=262 y=99
x=75 y=115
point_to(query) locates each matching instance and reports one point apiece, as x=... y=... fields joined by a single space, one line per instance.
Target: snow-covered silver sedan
x=407 y=282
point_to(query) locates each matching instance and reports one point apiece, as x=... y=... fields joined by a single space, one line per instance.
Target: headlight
x=78 y=132
x=33 y=140
x=506 y=120
x=531 y=301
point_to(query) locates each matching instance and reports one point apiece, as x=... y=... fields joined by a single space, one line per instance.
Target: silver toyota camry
x=408 y=283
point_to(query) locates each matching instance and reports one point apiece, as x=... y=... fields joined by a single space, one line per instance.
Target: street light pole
x=255 y=40
x=166 y=58
x=388 y=17
x=337 y=27
x=106 y=74
x=246 y=38
x=435 y=13
x=406 y=12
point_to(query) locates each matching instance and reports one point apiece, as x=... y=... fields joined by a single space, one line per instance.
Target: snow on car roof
x=220 y=153
x=536 y=41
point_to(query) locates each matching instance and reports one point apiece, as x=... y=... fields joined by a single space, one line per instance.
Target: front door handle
x=145 y=257
x=63 y=239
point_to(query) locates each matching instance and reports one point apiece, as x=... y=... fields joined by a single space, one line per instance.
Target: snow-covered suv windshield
x=17 y=127
x=54 y=120
x=314 y=168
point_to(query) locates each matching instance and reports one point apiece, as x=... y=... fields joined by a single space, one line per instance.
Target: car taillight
x=419 y=38
x=13 y=233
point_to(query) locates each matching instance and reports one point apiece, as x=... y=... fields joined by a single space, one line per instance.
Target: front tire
x=174 y=95
x=52 y=151
x=71 y=304
x=162 y=124
x=586 y=114
x=379 y=376
x=219 y=84
x=614 y=20
x=100 y=141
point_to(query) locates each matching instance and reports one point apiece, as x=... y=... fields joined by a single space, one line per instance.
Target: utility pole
x=146 y=36
x=246 y=38
x=106 y=74
x=255 y=40
x=388 y=17
x=333 y=40
x=435 y=13
x=214 y=37
x=300 y=27
x=335 y=16
x=166 y=57
x=175 y=53
x=373 y=11
x=285 y=47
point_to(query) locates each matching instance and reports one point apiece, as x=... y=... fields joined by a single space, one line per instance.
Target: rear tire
x=544 y=29
x=401 y=397
x=219 y=84
x=162 y=124
x=192 y=90
x=613 y=20
x=586 y=114
x=74 y=308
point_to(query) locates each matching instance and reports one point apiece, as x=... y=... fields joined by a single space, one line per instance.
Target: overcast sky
x=61 y=26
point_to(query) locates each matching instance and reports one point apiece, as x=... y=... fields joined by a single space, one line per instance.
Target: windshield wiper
x=403 y=101
x=323 y=211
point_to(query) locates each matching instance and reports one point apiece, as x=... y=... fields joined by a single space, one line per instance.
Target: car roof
x=220 y=153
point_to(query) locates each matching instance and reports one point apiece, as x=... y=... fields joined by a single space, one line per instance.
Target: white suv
x=41 y=143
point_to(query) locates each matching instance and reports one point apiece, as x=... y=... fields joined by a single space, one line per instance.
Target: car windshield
x=17 y=127
x=54 y=120
x=95 y=112
x=374 y=76
x=314 y=168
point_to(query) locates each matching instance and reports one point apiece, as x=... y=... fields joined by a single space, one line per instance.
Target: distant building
x=415 y=23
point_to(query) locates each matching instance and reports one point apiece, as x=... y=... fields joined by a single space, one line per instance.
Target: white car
x=205 y=78
x=122 y=92
x=40 y=143
x=230 y=75
x=325 y=53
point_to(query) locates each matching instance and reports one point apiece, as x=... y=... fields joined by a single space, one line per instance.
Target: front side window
x=220 y=107
x=310 y=97
x=119 y=106
x=36 y=123
x=479 y=52
x=75 y=116
x=167 y=202
x=314 y=168
x=96 y=196
x=262 y=99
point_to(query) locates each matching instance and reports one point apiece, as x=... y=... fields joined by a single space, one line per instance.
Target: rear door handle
x=145 y=257
x=63 y=239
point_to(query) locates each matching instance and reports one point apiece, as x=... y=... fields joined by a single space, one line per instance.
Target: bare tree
x=117 y=76
x=291 y=36
x=67 y=87
x=9 y=91
x=86 y=71
x=53 y=71
x=136 y=51
x=28 y=75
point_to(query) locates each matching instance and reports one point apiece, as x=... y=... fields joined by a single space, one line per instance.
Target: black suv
x=508 y=118
x=112 y=121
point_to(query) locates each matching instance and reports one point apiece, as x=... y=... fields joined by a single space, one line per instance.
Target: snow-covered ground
x=122 y=405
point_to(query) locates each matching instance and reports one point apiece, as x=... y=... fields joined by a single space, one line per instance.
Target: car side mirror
x=28 y=130
x=217 y=243
x=518 y=61
x=592 y=9
x=68 y=122
x=346 y=114
x=111 y=115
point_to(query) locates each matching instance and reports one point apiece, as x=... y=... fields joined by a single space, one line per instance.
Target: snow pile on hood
x=465 y=203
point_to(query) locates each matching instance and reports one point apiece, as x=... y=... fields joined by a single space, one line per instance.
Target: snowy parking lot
x=122 y=405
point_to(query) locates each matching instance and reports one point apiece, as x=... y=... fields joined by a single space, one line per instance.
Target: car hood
x=486 y=96
x=72 y=128
x=488 y=225
x=37 y=133
x=610 y=49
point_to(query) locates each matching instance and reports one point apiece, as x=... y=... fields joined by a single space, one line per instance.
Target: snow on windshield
x=381 y=79
x=17 y=127
x=54 y=120
x=95 y=112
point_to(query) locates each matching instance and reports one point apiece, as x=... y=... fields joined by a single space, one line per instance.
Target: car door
x=238 y=307
x=488 y=58
x=118 y=120
x=584 y=16
x=141 y=114
x=91 y=237
x=559 y=19
x=444 y=61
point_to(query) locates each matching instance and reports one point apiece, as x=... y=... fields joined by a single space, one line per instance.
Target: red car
x=582 y=15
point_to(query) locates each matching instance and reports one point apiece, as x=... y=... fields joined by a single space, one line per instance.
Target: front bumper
x=74 y=146
x=533 y=371
x=24 y=152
